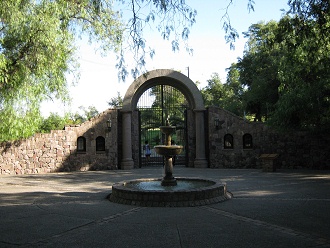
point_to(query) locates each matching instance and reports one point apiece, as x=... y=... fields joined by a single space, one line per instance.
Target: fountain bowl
x=203 y=193
x=167 y=129
x=168 y=150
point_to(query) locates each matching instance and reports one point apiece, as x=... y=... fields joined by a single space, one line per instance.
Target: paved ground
x=281 y=209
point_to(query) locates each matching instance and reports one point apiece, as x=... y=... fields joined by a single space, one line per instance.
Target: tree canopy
x=38 y=40
x=38 y=43
x=226 y=95
x=116 y=102
x=285 y=69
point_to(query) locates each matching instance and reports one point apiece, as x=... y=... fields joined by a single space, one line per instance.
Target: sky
x=99 y=82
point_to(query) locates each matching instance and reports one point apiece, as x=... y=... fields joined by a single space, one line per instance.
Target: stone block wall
x=295 y=149
x=41 y=153
x=219 y=157
x=57 y=151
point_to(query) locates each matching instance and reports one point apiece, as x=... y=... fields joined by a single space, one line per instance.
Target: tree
x=304 y=88
x=258 y=69
x=173 y=19
x=227 y=96
x=37 y=45
x=53 y=122
x=285 y=72
x=214 y=92
x=37 y=51
x=116 y=102
x=235 y=91
x=305 y=81
x=231 y=33
x=86 y=115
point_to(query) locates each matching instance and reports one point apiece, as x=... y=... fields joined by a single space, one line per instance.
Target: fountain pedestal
x=168 y=151
x=168 y=179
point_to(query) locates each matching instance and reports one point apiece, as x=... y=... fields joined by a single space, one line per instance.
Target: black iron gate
x=156 y=105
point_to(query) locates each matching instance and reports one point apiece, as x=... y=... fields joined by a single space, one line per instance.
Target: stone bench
x=267 y=161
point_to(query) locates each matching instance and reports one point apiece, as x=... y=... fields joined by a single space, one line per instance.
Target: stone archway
x=180 y=82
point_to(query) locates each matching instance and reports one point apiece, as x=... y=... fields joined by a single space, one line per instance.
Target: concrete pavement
x=287 y=208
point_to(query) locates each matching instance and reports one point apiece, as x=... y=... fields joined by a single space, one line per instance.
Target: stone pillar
x=127 y=161
x=200 y=160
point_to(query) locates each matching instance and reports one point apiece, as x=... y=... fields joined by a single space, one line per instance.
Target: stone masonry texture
x=295 y=149
x=57 y=151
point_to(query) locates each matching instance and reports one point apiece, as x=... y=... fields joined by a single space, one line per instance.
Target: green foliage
x=37 y=48
x=37 y=52
x=233 y=101
x=285 y=71
x=164 y=102
x=305 y=81
x=57 y=122
x=170 y=103
x=90 y=112
x=231 y=33
x=152 y=135
x=258 y=70
x=172 y=19
x=214 y=92
x=166 y=95
x=87 y=114
x=53 y=122
x=14 y=124
x=116 y=102
x=228 y=95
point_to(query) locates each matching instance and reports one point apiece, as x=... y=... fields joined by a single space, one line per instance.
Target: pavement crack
x=3 y=243
x=179 y=235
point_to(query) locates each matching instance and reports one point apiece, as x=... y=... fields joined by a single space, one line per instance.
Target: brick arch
x=167 y=77
x=178 y=81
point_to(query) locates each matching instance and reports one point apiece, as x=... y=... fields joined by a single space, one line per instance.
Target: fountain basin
x=202 y=192
x=168 y=150
x=167 y=129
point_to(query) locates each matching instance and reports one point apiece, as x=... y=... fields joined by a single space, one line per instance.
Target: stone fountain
x=169 y=191
x=168 y=151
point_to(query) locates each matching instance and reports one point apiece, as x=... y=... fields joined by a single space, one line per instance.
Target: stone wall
x=295 y=149
x=41 y=153
x=57 y=151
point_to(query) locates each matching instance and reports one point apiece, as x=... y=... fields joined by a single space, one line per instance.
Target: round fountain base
x=199 y=192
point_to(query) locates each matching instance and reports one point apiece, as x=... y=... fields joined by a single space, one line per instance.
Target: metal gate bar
x=156 y=105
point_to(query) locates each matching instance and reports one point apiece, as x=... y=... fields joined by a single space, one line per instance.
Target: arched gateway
x=178 y=81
